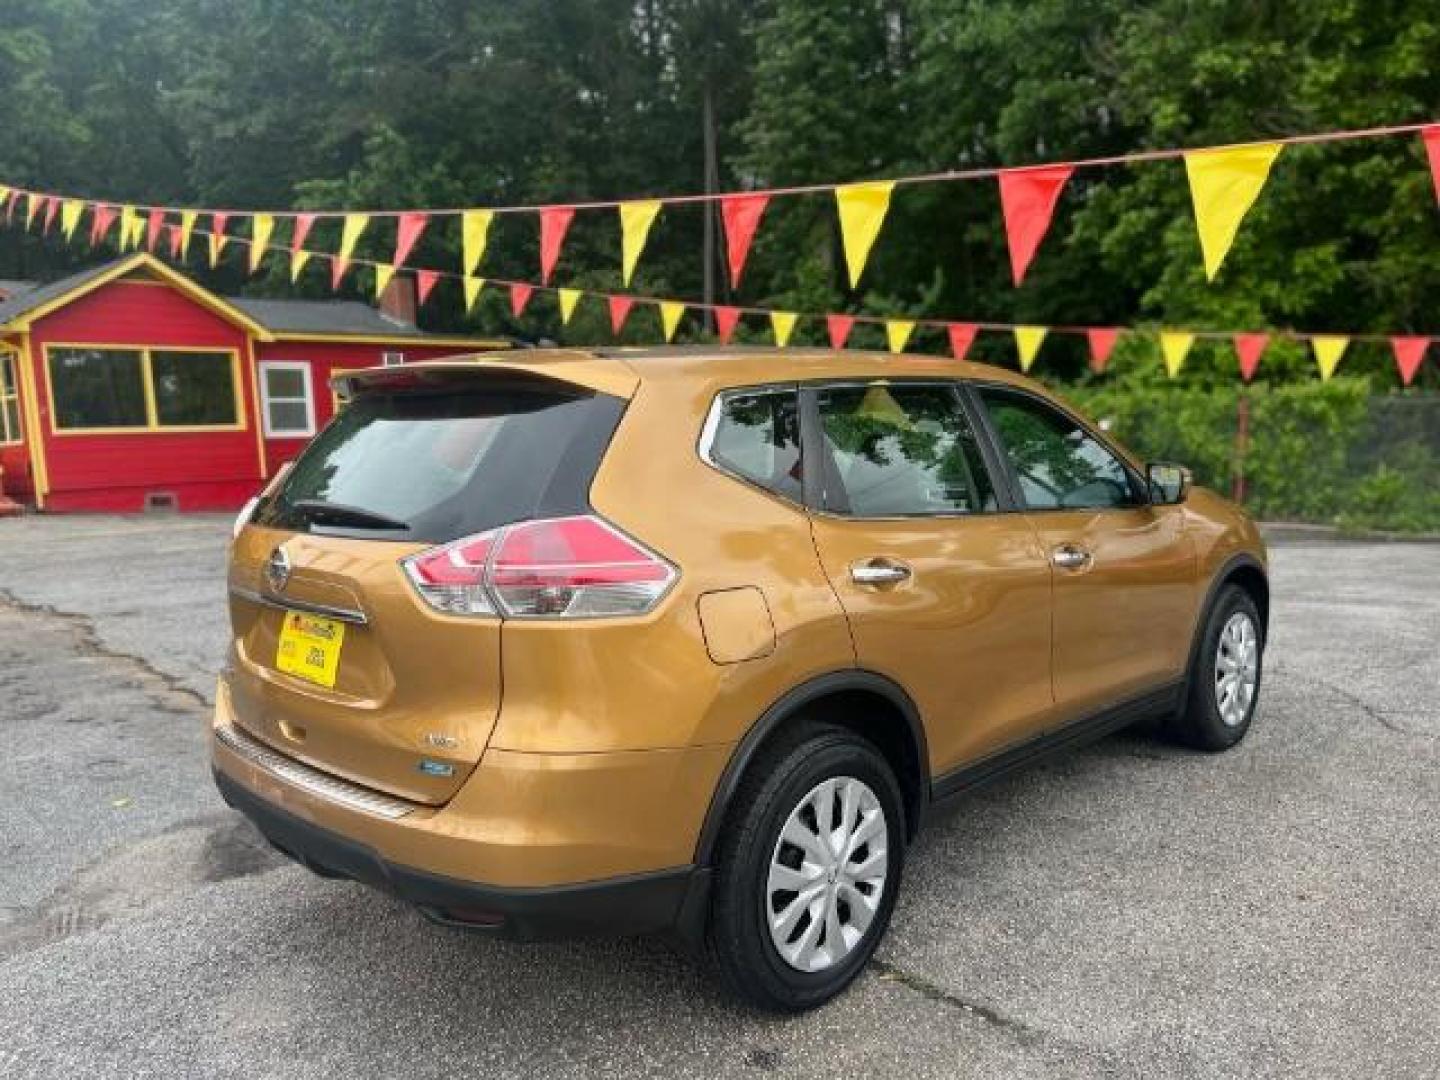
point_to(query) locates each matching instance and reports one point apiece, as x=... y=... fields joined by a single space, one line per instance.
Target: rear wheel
x=807 y=870
x=1225 y=681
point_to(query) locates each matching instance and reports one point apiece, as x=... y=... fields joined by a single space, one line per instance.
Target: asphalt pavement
x=1132 y=909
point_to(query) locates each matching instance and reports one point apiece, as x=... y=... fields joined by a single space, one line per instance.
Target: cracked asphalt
x=1129 y=910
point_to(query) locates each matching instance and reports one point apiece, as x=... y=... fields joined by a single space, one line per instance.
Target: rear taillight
x=563 y=568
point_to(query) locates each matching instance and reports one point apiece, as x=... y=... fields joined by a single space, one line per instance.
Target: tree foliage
x=326 y=103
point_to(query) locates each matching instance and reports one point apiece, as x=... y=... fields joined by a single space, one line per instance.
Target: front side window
x=756 y=436
x=896 y=450
x=9 y=400
x=287 y=401
x=99 y=388
x=1060 y=465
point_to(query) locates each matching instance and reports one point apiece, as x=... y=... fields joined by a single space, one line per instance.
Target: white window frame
x=307 y=374
x=11 y=360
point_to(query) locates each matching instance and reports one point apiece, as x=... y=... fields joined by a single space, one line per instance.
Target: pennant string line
x=977 y=173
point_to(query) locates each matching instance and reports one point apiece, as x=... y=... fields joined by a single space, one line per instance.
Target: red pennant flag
x=519 y=297
x=1102 y=344
x=425 y=284
x=1249 y=347
x=962 y=336
x=407 y=233
x=338 y=267
x=303 y=224
x=839 y=327
x=1028 y=197
x=51 y=209
x=11 y=200
x=554 y=223
x=103 y=218
x=741 y=217
x=725 y=320
x=175 y=236
x=619 y=311
x=152 y=229
x=1409 y=353
x=1431 y=135
x=218 y=223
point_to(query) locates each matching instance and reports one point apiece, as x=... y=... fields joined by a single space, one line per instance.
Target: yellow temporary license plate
x=310 y=647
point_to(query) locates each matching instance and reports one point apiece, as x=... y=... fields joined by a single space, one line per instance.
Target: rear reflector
x=562 y=568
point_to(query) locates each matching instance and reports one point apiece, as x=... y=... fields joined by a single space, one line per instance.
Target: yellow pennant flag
x=128 y=218
x=262 y=225
x=568 y=299
x=473 y=285
x=298 y=258
x=670 y=312
x=783 y=323
x=862 y=211
x=187 y=227
x=1175 y=344
x=137 y=231
x=474 y=228
x=350 y=235
x=1027 y=341
x=1224 y=184
x=384 y=274
x=33 y=210
x=70 y=211
x=635 y=221
x=897 y=333
x=217 y=245
x=1328 y=350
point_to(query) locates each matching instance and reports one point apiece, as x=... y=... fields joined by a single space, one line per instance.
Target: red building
x=128 y=386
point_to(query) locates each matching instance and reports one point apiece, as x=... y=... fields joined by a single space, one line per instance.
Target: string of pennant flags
x=1224 y=181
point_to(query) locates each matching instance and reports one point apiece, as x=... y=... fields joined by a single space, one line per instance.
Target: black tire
x=738 y=938
x=1199 y=723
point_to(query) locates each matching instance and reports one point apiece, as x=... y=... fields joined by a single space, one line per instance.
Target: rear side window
x=435 y=467
x=756 y=436
x=896 y=450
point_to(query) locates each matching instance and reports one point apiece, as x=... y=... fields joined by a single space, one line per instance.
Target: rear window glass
x=435 y=467
x=757 y=436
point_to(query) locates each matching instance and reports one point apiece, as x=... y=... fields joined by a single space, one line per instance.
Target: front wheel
x=1225 y=681
x=807 y=870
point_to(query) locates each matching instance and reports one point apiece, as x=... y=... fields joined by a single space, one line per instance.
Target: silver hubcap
x=827 y=874
x=1237 y=669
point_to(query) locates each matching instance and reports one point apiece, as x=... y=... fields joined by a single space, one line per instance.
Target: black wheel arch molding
x=787 y=706
x=1226 y=575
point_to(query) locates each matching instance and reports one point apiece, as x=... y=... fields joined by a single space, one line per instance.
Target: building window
x=105 y=389
x=287 y=398
x=337 y=399
x=9 y=400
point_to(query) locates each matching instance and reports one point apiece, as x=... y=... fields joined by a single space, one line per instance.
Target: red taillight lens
x=575 y=567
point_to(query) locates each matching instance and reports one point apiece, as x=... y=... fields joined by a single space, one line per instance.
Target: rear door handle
x=878 y=571
x=1070 y=557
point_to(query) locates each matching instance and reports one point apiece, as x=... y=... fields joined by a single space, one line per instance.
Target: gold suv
x=692 y=641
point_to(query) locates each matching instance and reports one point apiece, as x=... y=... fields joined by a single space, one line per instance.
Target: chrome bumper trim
x=313 y=781
x=348 y=615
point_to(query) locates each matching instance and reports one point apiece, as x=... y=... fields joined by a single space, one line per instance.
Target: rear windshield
x=434 y=467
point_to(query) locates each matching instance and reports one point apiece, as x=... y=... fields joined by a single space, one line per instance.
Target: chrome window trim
x=310 y=780
x=346 y=615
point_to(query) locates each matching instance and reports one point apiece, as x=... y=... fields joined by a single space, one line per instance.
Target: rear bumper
x=661 y=901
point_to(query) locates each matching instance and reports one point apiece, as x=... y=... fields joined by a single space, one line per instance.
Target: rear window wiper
x=329 y=513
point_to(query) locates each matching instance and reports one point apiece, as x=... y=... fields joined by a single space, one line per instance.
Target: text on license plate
x=310 y=647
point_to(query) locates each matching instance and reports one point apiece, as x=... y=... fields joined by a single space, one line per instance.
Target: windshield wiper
x=329 y=513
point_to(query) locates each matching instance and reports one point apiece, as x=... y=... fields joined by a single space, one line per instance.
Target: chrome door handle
x=1070 y=557
x=878 y=572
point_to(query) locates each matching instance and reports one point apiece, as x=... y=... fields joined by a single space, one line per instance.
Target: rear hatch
x=337 y=659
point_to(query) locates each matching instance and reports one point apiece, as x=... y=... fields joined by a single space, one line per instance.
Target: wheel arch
x=864 y=701
x=1246 y=571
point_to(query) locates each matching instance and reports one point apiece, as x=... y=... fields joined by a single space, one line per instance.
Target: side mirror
x=1169 y=484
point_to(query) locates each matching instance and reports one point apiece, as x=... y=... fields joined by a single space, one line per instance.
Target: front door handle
x=878 y=571
x=1070 y=557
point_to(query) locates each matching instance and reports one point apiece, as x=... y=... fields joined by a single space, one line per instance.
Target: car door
x=1124 y=570
x=946 y=594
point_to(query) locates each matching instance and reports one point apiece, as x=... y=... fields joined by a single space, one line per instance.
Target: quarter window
x=155 y=389
x=896 y=450
x=9 y=400
x=1060 y=465
x=757 y=436
x=287 y=399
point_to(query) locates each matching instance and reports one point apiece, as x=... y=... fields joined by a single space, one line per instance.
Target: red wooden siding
x=115 y=471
